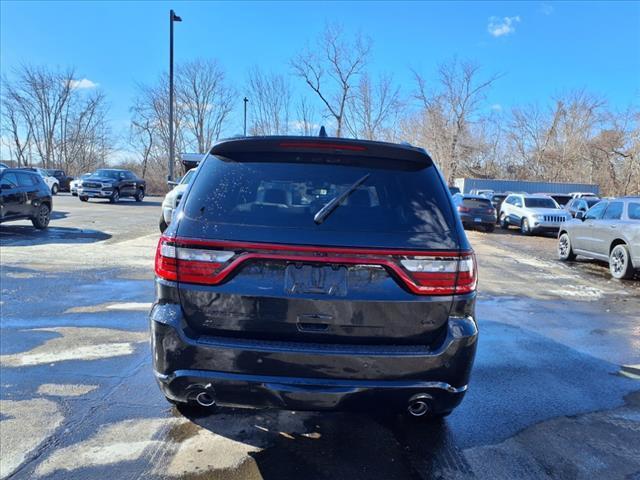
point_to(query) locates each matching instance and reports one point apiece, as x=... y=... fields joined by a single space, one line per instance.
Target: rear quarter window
x=402 y=205
x=634 y=211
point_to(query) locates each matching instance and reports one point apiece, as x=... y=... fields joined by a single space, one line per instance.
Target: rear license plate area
x=317 y=280
x=477 y=220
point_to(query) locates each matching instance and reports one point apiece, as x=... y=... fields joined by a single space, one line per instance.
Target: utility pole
x=246 y=100
x=172 y=18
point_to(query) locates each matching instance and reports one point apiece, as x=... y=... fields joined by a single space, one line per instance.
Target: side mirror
x=580 y=215
x=172 y=183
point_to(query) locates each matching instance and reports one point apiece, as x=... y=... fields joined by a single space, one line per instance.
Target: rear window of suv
x=477 y=203
x=634 y=211
x=397 y=201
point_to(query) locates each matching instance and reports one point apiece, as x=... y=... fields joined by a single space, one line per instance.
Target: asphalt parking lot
x=555 y=392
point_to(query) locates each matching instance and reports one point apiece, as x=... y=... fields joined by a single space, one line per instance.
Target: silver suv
x=532 y=213
x=609 y=231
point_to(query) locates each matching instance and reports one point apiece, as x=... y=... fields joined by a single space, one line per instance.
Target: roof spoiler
x=331 y=145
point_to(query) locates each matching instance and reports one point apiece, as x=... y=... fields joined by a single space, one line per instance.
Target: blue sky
x=542 y=48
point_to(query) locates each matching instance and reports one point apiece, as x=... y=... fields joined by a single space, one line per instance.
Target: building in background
x=467 y=184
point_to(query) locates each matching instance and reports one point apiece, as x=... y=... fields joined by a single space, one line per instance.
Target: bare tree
x=45 y=112
x=205 y=101
x=270 y=96
x=453 y=108
x=331 y=68
x=18 y=133
x=374 y=108
x=306 y=114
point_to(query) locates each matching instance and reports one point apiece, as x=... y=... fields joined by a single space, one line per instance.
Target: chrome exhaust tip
x=205 y=399
x=418 y=408
x=419 y=405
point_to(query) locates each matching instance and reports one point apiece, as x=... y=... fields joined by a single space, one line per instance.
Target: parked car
x=580 y=205
x=475 y=211
x=496 y=201
x=531 y=213
x=112 y=184
x=315 y=274
x=608 y=231
x=172 y=199
x=482 y=192
x=583 y=194
x=24 y=195
x=52 y=182
x=561 y=198
x=63 y=179
x=75 y=183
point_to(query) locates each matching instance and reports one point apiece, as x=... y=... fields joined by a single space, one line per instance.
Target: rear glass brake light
x=323 y=145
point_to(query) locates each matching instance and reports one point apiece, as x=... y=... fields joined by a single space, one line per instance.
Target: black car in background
x=24 y=195
x=112 y=184
x=476 y=211
x=580 y=205
x=315 y=274
x=63 y=179
x=496 y=201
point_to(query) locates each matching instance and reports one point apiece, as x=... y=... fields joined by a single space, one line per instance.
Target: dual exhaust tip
x=418 y=404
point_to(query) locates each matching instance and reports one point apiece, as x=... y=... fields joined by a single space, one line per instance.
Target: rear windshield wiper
x=334 y=203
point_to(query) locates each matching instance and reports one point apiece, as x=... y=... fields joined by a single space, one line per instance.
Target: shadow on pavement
x=22 y=235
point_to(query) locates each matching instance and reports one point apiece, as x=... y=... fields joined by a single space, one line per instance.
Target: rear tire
x=139 y=196
x=83 y=198
x=620 y=263
x=565 y=250
x=43 y=215
x=504 y=223
x=490 y=228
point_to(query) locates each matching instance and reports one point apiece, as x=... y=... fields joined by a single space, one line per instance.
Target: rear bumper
x=304 y=376
x=469 y=220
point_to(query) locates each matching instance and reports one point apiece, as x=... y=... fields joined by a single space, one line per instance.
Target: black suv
x=113 y=184
x=313 y=274
x=64 y=181
x=23 y=194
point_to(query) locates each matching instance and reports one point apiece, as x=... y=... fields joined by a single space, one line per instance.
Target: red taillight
x=463 y=209
x=439 y=275
x=211 y=262
x=189 y=263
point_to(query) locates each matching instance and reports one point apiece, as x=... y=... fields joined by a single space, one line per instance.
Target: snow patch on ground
x=25 y=425
x=65 y=390
x=77 y=344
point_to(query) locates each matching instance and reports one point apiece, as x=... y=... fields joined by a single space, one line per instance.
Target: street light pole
x=172 y=18
x=246 y=100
